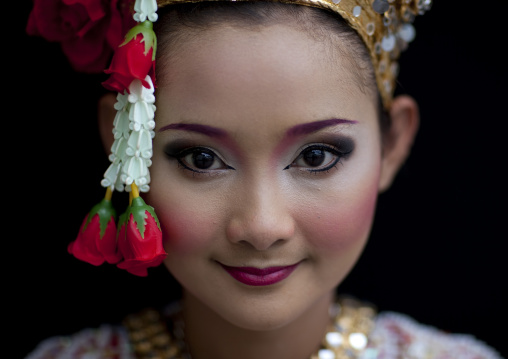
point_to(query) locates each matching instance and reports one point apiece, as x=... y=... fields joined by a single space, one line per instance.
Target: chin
x=265 y=315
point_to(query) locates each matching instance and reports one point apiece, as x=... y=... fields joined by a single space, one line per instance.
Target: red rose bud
x=140 y=239
x=133 y=59
x=96 y=241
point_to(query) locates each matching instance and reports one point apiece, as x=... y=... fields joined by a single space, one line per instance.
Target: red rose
x=133 y=59
x=88 y=30
x=140 y=239
x=96 y=241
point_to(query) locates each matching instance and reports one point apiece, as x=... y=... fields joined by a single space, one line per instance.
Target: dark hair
x=321 y=24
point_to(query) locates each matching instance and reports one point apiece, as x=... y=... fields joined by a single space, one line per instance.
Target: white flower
x=145 y=9
x=140 y=144
x=135 y=170
x=141 y=110
x=145 y=187
x=119 y=150
x=138 y=92
x=121 y=101
x=121 y=124
x=111 y=174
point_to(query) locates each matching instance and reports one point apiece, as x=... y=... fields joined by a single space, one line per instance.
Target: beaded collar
x=161 y=335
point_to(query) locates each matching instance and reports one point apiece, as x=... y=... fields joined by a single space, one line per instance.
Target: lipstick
x=259 y=276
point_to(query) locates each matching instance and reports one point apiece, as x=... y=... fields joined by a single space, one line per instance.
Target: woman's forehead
x=274 y=72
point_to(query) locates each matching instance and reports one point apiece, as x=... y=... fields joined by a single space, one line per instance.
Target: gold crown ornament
x=385 y=27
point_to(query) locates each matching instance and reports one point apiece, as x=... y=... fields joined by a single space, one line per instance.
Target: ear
x=106 y=116
x=405 y=119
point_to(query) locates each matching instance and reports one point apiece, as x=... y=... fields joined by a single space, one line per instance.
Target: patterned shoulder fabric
x=103 y=343
x=394 y=336
x=398 y=336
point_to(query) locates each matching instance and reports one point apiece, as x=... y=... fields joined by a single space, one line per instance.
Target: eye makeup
x=325 y=131
x=345 y=145
x=195 y=158
x=321 y=151
x=311 y=127
x=323 y=155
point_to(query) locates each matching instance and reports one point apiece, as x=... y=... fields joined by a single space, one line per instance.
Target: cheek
x=342 y=222
x=186 y=227
x=182 y=233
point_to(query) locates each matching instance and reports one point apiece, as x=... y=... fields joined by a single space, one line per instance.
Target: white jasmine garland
x=131 y=151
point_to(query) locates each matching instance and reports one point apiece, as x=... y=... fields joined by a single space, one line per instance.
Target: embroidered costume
x=355 y=332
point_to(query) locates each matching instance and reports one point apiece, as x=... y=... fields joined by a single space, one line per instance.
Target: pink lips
x=260 y=276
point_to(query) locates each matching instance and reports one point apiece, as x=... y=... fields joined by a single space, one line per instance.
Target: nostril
x=272 y=244
x=278 y=243
x=258 y=236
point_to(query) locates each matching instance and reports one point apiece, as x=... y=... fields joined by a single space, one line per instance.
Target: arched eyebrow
x=203 y=129
x=310 y=127
x=295 y=131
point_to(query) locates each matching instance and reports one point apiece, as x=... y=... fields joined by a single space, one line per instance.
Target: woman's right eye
x=199 y=159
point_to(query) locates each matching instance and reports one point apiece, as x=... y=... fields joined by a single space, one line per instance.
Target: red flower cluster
x=88 y=30
x=136 y=246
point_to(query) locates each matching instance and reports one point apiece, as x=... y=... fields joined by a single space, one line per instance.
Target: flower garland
x=135 y=243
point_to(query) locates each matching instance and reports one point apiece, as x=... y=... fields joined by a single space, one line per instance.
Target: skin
x=260 y=204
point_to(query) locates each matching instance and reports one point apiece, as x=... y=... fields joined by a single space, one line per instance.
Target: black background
x=438 y=250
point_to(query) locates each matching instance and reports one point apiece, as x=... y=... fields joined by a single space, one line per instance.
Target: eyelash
x=180 y=155
x=326 y=150
x=197 y=151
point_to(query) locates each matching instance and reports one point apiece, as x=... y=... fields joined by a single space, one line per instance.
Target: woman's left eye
x=317 y=158
x=199 y=159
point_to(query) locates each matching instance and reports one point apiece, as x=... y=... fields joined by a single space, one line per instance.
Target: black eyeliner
x=180 y=148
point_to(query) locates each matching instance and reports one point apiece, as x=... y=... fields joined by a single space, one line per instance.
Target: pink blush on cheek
x=185 y=232
x=341 y=224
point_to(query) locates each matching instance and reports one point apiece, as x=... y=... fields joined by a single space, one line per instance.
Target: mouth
x=257 y=277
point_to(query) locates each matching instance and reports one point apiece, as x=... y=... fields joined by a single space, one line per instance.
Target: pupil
x=314 y=157
x=202 y=160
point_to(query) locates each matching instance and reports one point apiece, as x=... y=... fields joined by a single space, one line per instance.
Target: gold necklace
x=153 y=335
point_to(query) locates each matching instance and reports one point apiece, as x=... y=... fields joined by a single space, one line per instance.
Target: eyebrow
x=298 y=130
x=203 y=129
x=307 y=128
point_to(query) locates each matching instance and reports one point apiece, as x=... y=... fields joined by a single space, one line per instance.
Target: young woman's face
x=267 y=154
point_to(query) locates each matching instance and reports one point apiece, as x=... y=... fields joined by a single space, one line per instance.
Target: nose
x=261 y=216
